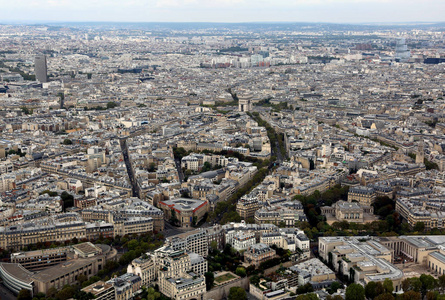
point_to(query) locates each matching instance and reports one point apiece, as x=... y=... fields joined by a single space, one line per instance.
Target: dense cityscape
x=198 y=161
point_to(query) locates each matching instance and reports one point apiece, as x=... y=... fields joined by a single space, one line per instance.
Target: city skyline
x=225 y=11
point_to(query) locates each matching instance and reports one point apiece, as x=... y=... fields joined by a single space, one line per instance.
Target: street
x=180 y=173
x=6 y=294
x=171 y=230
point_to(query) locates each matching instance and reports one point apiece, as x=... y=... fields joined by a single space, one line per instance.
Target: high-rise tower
x=402 y=52
x=40 y=68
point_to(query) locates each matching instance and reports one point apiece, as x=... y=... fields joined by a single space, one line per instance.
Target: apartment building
x=246 y=207
x=67 y=226
x=186 y=211
x=145 y=267
x=101 y=290
x=362 y=194
x=422 y=209
x=257 y=253
x=195 y=241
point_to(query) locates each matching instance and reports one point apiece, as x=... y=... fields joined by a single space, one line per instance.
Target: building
x=86 y=259
x=125 y=286
x=349 y=212
x=174 y=277
x=145 y=268
x=246 y=207
x=315 y=272
x=245 y=103
x=41 y=68
x=242 y=240
x=40 y=259
x=283 y=214
x=67 y=226
x=402 y=53
x=186 y=212
x=196 y=241
x=368 y=259
x=427 y=251
x=414 y=248
x=101 y=290
x=185 y=287
x=426 y=209
x=179 y=274
x=257 y=253
x=362 y=194
x=198 y=264
x=289 y=239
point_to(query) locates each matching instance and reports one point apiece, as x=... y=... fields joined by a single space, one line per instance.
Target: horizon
x=51 y=22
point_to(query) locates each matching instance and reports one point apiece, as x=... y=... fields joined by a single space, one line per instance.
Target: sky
x=234 y=11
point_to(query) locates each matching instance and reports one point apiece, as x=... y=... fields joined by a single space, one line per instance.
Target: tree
x=411 y=295
x=210 y=278
x=371 y=290
x=384 y=297
x=151 y=167
x=81 y=278
x=334 y=287
x=336 y=297
x=304 y=289
x=351 y=274
x=52 y=291
x=355 y=292
x=66 y=293
x=412 y=284
x=310 y=296
x=26 y=111
x=255 y=279
x=240 y=271
x=330 y=260
x=430 y=295
x=67 y=200
x=419 y=227
x=24 y=294
x=237 y=293
x=214 y=245
x=206 y=167
x=133 y=244
x=173 y=219
x=67 y=142
x=442 y=282
x=111 y=104
x=428 y=283
x=388 y=286
x=406 y=284
x=40 y=295
x=81 y=295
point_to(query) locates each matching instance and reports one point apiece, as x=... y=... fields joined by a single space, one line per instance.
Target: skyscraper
x=402 y=52
x=40 y=68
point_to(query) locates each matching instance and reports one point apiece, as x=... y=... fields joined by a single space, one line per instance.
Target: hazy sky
x=340 y=11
